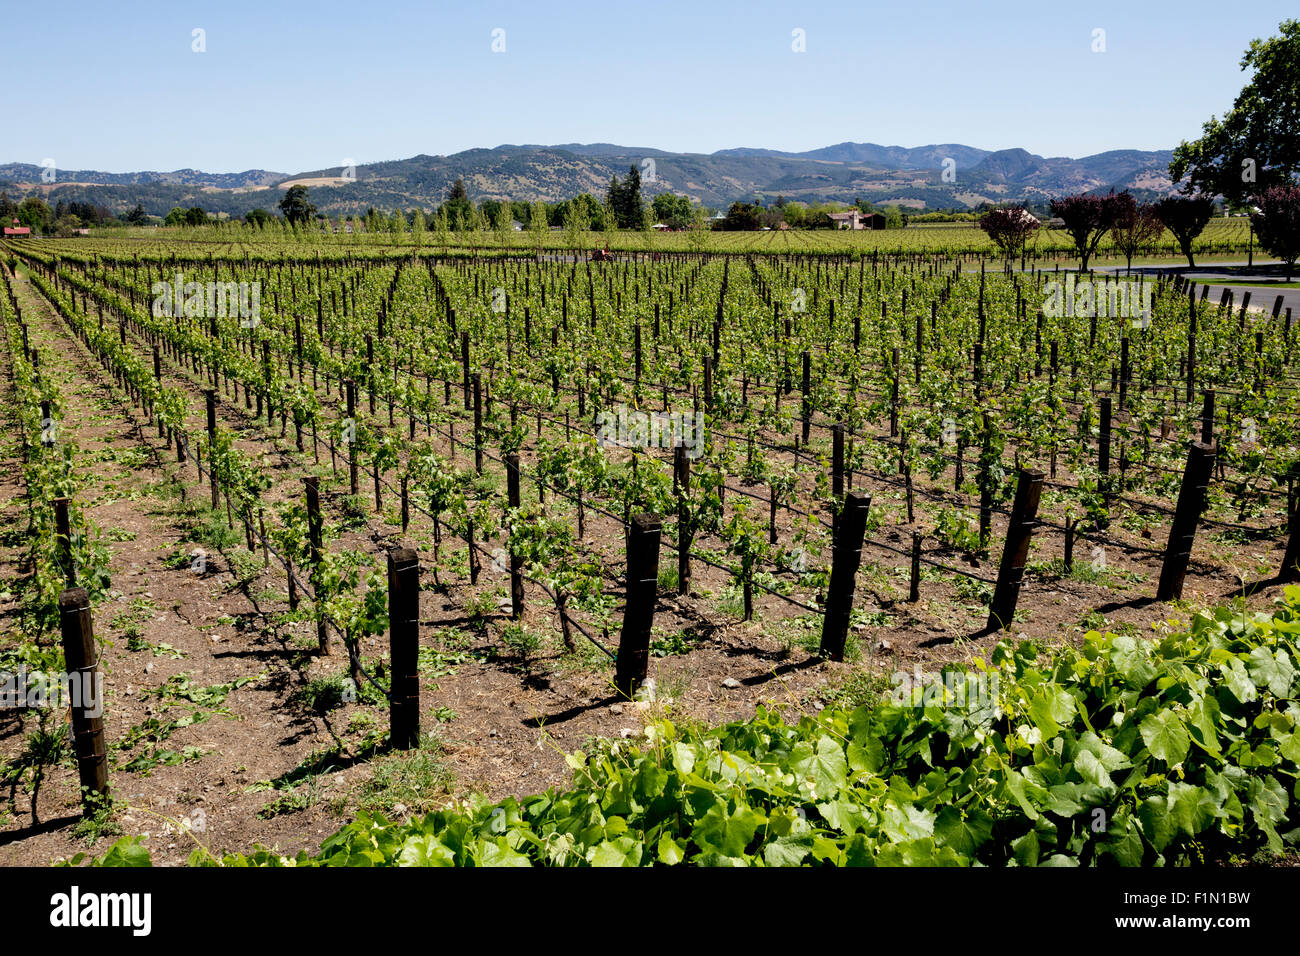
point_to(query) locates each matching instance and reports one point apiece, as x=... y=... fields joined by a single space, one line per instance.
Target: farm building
x=854 y=219
x=18 y=230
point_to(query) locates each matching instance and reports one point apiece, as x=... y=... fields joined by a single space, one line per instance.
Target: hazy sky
x=296 y=86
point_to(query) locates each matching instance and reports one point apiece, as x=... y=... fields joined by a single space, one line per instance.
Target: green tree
x=630 y=213
x=741 y=216
x=35 y=214
x=624 y=199
x=613 y=199
x=296 y=206
x=672 y=210
x=1257 y=143
x=607 y=218
x=698 y=237
x=576 y=225
x=538 y=225
x=503 y=221
x=417 y=226
x=441 y=227
x=458 y=208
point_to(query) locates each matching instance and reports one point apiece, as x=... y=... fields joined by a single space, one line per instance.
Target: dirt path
x=161 y=623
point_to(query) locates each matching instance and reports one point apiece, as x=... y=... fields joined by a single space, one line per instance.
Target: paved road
x=1221 y=275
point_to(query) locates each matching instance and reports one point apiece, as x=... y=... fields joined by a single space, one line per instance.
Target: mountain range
x=942 y=176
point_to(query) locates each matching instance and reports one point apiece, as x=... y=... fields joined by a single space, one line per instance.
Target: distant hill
x=911 y=177
x=28 y=173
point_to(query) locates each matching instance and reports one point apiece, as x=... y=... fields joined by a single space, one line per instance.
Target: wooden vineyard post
x=917 y=357
x=478 y=422
x=157 y=376
x=1103 y=447
x=404 y=647
x=682 y=481
x=314 y=544
x=893 y=396
x=1207 y=417
x=985 y=482
x=771 y=515
x=210 y=397
x=637 y=331
x=806 y=404
x=1123 y=373
x=516 y=561
x=638 y=615
x=464 y=362
x=837 y=460
x=846 y=557
x=1070 y=525
x=1291 y=559
x=837 y=472
x=406 y=506
x=914 y=591
x=63 y=541
x=86 y=684
x=370 y=374
x=1191 y=500
x=350 y=434
x=1020 y=528
x=1191 y=343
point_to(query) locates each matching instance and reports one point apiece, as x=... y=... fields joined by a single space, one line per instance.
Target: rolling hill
x=910 y=177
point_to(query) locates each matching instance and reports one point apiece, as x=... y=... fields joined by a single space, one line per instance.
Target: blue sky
x=294 y=86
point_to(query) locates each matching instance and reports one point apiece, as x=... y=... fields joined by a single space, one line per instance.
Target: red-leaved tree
x=1086 y=217
x=1010 y=228
x=1278 y=224
x=1185 y=217
x=1135 y=226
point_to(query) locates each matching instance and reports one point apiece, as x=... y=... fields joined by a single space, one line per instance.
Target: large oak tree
x=1256 y=145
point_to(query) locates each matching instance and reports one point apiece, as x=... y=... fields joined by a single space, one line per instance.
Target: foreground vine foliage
x=1177 y=751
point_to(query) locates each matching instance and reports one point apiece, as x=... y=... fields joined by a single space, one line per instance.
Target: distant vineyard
x=1221 y=237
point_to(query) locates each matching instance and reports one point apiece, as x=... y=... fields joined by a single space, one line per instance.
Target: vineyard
x=362 y=527
x=1221 y=238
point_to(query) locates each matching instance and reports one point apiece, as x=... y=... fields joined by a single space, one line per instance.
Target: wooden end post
x=846 y=558
x=638 y=616
x=404 y=647
x=1020 y=528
